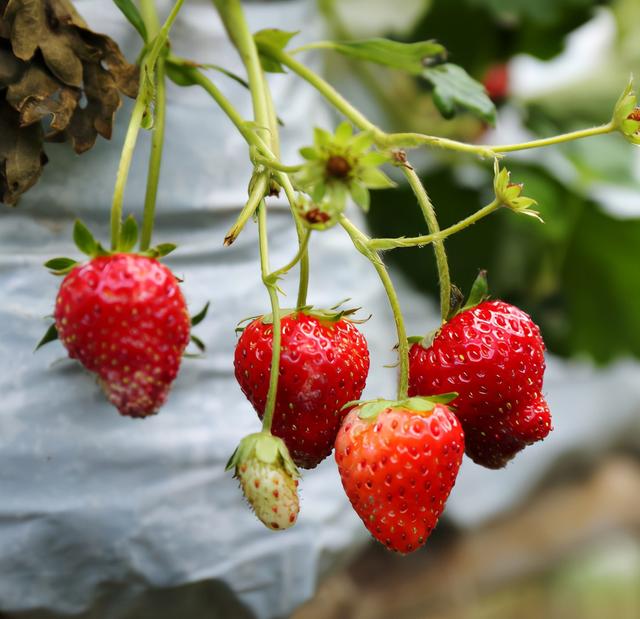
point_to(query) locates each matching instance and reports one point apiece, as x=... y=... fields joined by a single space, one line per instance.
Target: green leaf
x=60 y=266
x=49 y=336
x=130 y=11
x=455 y=89
x=272 y=37
x=411 y=57
x=180 y=74
x=83 y=239
x=129 y=234
x=200 y=316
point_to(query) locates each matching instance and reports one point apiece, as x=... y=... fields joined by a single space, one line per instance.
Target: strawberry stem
x=361 y=243
x=438 y=245
x=275 y=311
x=152 y=24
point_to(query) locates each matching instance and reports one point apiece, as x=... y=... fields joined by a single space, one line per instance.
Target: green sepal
x=129 y=235
x=510 y=194
x=200 y=316
x=50 y=336
x=479 y=291
x=360 y=195
x=420 y=404
x=83 y=239
x=332 y=315
x=60 y=266
x=624 y=107
x=266 y=448
x=198 y=342
x=159 y=251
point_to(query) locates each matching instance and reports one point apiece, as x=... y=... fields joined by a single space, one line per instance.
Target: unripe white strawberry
x=269 y=479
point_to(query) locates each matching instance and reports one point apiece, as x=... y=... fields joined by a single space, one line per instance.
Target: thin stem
x=123 y=170
x=155 y=157
x=438 y=246
x=361 y=242
x=276 y=325
x=328 y=91
x=302 y=249
x=274 y=164
x=417 y=241
x=256 y=196
x=150 y=17
x=556 y=139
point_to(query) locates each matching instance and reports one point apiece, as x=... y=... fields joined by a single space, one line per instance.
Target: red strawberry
x=398 y=462
x=323 y=365
x=496 y=81
x=123 y=317
x=492 y=355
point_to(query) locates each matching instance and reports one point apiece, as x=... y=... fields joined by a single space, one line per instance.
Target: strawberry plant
x=474 y=384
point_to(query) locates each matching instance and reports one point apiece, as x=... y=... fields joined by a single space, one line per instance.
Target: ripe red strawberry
x=123 y=317
x=398 y=465
x=269 y=479
x=496 y=81
x=492 y=355
x=323 y=365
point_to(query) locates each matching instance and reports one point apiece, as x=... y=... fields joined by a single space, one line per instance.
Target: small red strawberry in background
x=123 y=316
x=269 y=479
x=398 y=462
x=492 y=354
x=324 y=363
x=496 y=82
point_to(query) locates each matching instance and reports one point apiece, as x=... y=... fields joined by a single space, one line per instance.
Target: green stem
x=438 y=245
x=150 y=17
x=418 y=241
x=274 y=164
x=276 y=325
x=303 y=285
x=256 y=196
x=556 y=139
x=302 y=250
x=123 y=170
x=234 y=21
x=361 y=242
x=155 y=157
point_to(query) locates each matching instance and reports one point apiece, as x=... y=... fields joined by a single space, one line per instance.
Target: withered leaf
x=54 y=71
x=21 y=155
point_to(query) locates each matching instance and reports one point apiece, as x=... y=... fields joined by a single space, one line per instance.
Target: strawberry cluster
x=475 y=387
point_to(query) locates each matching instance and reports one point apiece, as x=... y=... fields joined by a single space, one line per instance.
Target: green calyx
x=510 y=194
x=479 y=292
x=372 y=408
x=87 y=244
x=626 y=114
x=266 y=448
x=341 y=165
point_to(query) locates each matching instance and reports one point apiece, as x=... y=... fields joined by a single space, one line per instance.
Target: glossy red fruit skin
x=124 y=317
x=323 y=365
x=398 y=470
x=492 y=355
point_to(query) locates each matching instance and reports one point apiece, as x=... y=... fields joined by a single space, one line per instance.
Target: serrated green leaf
x=360 y=195
x=411 y=57
x=128 y=235
x=200 y=316
x=454 y=89
x=50 y=336
x=130 y=11
x=60 y=266
x=83 y=239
